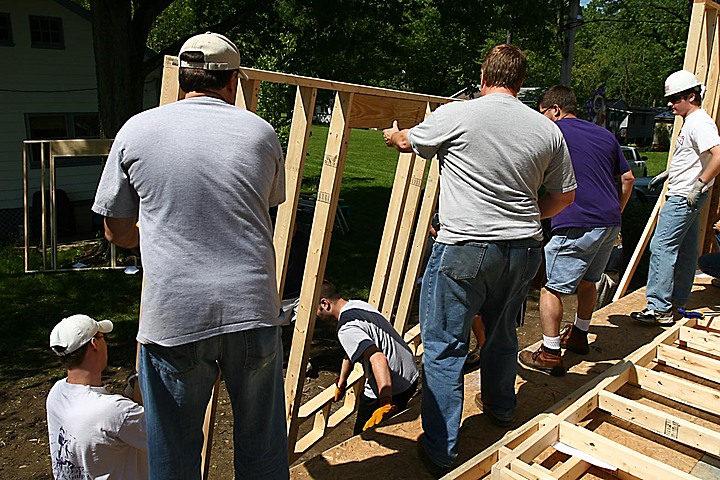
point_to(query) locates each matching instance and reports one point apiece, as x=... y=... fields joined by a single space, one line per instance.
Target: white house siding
x=42 y=80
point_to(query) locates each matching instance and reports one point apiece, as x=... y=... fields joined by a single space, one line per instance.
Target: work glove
x=657 y=181
x=386 y=410
x=697 y=190
x=339 y=390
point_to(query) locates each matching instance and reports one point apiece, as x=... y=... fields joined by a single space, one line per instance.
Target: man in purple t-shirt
x=583 y=234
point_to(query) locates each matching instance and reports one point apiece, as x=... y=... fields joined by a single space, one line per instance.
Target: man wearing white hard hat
x=199 y=177
x=695 y=164
x=93 y=433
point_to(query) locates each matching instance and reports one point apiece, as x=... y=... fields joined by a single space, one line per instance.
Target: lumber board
x=80 y=148
x=299 y=80
x=571 y=469
x=247 y=94
x=420 y=240
x=294 y=166
x=327 y=200
x=170 y=87
x=392 y=224
x=697 y=19
x=397 y=267
x=623 y=458
x=480 y=464
x=694 y=363
x=531 y=472
x=678 y=389
x=708 y=342
x=661 y=423
x=370 y=111
x=209 y=429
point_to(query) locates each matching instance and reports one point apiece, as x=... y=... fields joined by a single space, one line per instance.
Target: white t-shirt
x=95 y=434
x=360 y=326
x=697 y=136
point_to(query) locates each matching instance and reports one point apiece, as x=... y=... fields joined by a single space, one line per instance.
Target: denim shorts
x=577 y=253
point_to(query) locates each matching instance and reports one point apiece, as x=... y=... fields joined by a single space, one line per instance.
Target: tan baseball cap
x=218 y=51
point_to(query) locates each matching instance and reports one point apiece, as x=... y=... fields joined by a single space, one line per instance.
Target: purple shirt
x=597 y=159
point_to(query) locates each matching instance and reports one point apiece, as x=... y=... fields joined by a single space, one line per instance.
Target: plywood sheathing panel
x=392 y=448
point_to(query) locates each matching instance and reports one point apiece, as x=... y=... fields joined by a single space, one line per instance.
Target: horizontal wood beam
x=78 y=148
x=707 y=342
x=622 y=457
x=372 y=111
x=678 y=389
x=699 y=365
x=662 y=423
x=299 y=80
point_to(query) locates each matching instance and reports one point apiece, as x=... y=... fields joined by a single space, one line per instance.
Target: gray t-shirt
x=360 y=326
x=495 y=153
x=202 y=174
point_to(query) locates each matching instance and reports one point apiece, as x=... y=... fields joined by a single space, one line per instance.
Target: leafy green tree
x=121 y=33
x=632 y=45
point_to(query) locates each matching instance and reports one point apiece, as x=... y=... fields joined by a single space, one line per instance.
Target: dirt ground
x=24 y=451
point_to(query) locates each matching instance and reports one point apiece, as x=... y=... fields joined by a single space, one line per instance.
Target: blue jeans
x=674 y=253
x=176 y=385
x=461 y=280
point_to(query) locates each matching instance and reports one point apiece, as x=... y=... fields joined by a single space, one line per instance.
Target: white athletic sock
x=552 y=343
x=582 y=324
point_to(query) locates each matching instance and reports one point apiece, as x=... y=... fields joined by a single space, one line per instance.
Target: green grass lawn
x=30 y=304
x=656 y=162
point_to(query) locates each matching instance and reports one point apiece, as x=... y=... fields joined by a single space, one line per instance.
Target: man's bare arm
x=396 y=138
x=627 y=180
x=123 y=232
x=381 y=370
x=553 y=203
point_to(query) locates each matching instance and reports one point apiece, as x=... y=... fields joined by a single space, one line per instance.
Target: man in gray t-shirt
x=495 y=154
x=199 y=177
x=366 y=336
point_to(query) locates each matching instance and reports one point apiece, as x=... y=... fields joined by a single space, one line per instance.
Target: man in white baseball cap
x=695 y=164
x=93 y=433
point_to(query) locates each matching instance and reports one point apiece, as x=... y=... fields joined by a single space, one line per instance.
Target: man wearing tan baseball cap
x=93 y=433
x=199 y=177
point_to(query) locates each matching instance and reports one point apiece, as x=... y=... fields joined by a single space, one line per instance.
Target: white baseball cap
x=219 y=53
x=75 y=331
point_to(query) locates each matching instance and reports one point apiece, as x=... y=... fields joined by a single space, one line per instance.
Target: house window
x=57 y=126
x=5 y=30
x=46 y=32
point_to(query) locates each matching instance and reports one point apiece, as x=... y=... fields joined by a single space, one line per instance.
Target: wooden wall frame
x=404 y=237
x=679 y=369
x=702 y=56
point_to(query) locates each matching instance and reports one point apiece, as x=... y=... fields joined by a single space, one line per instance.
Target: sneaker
x=654 y=317
x=498 y=421
x=574 y=339
x=543 y=361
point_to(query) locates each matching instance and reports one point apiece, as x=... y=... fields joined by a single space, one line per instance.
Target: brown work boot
x=574 y=339
x=543 y=361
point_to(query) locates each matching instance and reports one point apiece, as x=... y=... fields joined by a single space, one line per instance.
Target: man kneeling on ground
x=93 y=433
x=365 y=335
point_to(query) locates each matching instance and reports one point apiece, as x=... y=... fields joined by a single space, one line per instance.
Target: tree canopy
x=428 y=46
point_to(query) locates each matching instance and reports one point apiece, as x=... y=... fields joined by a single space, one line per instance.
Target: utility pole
x=567 y=40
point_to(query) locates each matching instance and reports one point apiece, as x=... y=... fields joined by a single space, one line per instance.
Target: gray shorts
x=577 y=253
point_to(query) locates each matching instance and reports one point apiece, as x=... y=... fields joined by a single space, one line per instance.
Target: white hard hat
x=680 y=81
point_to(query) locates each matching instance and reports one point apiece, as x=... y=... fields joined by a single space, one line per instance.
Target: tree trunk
x=118 y=64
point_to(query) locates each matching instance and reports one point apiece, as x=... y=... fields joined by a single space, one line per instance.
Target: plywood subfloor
x=390 y=451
